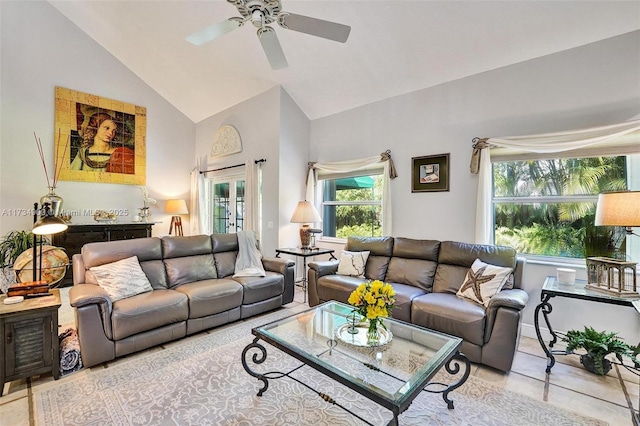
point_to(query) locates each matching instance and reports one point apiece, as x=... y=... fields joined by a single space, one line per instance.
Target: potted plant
x=598 y=345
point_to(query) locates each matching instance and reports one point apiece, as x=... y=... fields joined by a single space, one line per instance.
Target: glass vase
x=373 y=333
x=54 y=201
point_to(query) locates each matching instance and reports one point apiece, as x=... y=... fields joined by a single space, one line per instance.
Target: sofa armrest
x=513 y=299
x=274 y=264
x=89 y=294
x=326 y=267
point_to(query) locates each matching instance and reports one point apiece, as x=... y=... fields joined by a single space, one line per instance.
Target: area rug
x=201 y=381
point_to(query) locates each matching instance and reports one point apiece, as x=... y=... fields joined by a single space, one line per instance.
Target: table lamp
x=619 y=209
x=176 y=208
x=305 y=213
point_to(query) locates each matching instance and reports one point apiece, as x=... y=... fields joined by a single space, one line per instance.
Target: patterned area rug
x=202 y=381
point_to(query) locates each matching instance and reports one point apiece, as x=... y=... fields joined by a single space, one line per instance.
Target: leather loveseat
x=193 y=290
x=426 y=275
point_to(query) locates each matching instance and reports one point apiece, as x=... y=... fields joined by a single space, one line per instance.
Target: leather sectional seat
x=426 y=275
x=193 y=290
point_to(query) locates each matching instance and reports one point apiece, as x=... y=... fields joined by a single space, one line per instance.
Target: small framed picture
x=430 y=173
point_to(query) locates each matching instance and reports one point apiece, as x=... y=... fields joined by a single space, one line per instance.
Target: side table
x=304 y=253
x=550 y=289
x=29 y=338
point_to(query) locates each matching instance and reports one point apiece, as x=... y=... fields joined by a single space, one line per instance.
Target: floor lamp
x=44 y=223
x=176 y=208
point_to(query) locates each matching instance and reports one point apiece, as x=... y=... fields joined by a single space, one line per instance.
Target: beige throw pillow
x=122 y=279
x=483 y=281
x=352 y=263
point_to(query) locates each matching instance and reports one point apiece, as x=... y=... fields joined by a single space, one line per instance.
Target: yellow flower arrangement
x=373 y=300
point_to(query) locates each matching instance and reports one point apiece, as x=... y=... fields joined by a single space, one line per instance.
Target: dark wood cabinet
x=29 y=338
x=76 y=236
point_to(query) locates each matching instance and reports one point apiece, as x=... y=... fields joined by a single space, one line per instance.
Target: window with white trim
x=352 y=205
x=547 y=206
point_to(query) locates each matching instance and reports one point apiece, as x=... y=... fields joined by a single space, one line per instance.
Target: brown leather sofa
x=426 y=275
x=185 y=298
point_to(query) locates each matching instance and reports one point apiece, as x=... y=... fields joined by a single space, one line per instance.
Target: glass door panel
x=227 y=205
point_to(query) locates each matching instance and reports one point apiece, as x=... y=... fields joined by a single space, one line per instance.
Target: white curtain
x=320 y=170
x=252 y=197
x=197 y=222
x=616 y=139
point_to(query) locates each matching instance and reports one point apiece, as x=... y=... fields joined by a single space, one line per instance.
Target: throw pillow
x=352 y=263
x=122 y=279
x=483 y=281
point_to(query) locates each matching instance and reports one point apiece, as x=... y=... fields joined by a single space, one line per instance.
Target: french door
x=226 y=204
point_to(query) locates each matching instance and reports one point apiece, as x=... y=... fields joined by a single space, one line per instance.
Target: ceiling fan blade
x=314 y=26
x=272 y=49
x=214 y=31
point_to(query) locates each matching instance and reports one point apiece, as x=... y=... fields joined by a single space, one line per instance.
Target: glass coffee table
x=391 y=375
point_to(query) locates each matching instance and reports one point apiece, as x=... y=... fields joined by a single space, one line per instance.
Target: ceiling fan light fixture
x=257 y=18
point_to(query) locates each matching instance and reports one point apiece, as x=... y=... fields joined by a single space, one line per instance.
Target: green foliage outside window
x=556 y=228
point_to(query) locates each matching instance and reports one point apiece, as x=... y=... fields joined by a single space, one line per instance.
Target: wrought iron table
x=391 y=375
x=304 y=253
x=550 y=289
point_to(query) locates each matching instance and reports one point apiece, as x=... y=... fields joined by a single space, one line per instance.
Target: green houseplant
x=598 y=345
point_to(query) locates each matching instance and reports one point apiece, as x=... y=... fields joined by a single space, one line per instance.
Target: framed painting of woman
x=100 y=139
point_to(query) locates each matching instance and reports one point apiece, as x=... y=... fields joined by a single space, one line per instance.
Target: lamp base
x=305 y=237
x=177 y=222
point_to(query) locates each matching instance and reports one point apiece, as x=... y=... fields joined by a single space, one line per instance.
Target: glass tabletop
x=305 y=252
x=580 y=291
x=393 y=372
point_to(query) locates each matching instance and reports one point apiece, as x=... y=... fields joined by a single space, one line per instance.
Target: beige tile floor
x=570 y=386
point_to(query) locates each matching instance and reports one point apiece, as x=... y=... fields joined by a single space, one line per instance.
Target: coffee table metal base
x=453 y=366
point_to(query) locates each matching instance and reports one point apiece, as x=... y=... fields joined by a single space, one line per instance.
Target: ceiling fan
x=261 y=13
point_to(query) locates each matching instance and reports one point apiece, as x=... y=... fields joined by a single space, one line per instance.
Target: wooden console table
x=78 y=235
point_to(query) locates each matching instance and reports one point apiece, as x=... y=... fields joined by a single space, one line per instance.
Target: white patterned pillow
x=483 y=281
x=122 y=279
x=353 y=263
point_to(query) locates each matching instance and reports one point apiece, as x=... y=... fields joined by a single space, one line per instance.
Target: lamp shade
x=618 y=209
x=49 y=225
x=305 y=212
x=176 y=207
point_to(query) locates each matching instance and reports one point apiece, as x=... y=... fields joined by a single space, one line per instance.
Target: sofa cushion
x=225 y=263
x=337 y=287
x=121 y=279
x=352 y=263
x=483 y=281
x=455 y=259
x=148 y=311
x=99 y=253
x=415 y=272
x=209 y=297
x=380 y=249
x=186 y=246
x=404 y=296
x=183 y=270
x=409 y=248
x=450 y=314
x=257 y=289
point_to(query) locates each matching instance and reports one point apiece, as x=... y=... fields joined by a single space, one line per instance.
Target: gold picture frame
x=430 y=173
x=98 y=139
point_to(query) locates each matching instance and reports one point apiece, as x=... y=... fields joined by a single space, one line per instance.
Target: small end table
x=304 y=253
x=29 y=343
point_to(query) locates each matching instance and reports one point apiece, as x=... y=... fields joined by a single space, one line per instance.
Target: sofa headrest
x=186 y=246
x=96 y=254
x=416 y=249
x=378 y=246
x=464 y=254
x=224 y=242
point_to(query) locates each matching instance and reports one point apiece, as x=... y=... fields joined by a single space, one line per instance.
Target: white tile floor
x=569 y=385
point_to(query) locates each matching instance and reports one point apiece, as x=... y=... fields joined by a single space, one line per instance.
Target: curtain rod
x=262 y=160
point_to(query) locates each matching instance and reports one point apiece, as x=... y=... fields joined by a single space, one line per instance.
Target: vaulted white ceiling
x=395 y=47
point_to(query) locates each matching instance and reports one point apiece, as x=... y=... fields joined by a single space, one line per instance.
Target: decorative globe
x=54 y=265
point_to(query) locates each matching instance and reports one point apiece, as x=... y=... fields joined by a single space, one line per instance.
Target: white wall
x=41 y=49
x=258 y=122
x=591 y=85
